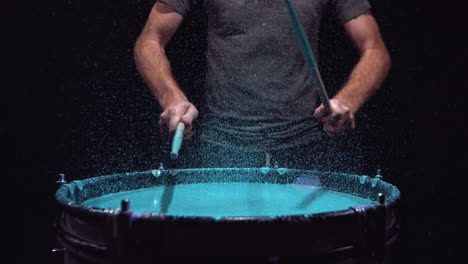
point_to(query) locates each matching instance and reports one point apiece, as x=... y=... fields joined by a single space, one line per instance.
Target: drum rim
x=75 y=208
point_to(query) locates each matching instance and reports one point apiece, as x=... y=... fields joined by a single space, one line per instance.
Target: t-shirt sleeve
x=349 y=9
x=180 y=6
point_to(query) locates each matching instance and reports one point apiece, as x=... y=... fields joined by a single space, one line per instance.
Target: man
x=261 y=105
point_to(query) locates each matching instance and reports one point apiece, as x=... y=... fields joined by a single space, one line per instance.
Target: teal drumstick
x=177 y=140
x=308 y=56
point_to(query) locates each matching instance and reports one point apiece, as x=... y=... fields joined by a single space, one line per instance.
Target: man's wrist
x=168 y=101
x=351 y=104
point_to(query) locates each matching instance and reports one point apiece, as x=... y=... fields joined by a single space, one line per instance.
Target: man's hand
x=181 y=111
x=339 y=120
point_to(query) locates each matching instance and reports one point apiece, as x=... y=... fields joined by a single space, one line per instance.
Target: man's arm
x=373 y=65
x=155 y=69
x=366 y=77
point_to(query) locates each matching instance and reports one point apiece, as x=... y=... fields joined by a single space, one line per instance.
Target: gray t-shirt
x=259 y=92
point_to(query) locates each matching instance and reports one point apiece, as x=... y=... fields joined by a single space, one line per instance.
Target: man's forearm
x=365 y=79
x=155 y=69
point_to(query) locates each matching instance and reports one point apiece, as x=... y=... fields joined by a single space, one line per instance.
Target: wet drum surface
x=231 y=200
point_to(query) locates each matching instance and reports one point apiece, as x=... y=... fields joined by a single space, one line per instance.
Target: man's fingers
x=339 y=120
x=164 y=122
x=189 y=116
x=169 y=120
x=174 y=120
x=319 y=112
x=177 y=113
x=331 y=130
x=187 y=119
x=351 y=122
x=188 y=134
x=341 y=125
x=183 y=112
x=333 y=120
x=338 y=125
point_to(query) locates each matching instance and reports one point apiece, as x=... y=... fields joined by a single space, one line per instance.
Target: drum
x=252 y=212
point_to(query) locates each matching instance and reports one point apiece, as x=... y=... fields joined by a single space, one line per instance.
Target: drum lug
x=266 y=169
x=121 y=232
x=276 y=171
x=57 y=250
x=378 y=177
x=61 y=179
x=157 y=173
x=381 y=198
x=373 y=223
x=280 y=171
x=57 y=255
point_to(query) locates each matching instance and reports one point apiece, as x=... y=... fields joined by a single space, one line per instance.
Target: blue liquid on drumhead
x=231 y=200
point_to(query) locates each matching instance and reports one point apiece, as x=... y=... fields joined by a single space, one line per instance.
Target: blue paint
x=232 y=200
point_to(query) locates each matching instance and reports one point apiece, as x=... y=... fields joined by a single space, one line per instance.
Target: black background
x=73 y=103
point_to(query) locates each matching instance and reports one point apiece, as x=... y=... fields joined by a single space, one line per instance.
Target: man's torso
x=259 y=90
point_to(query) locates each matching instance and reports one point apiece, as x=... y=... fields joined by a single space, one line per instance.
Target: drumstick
x=309 y=56
x=311 y=182
x=177 y=140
